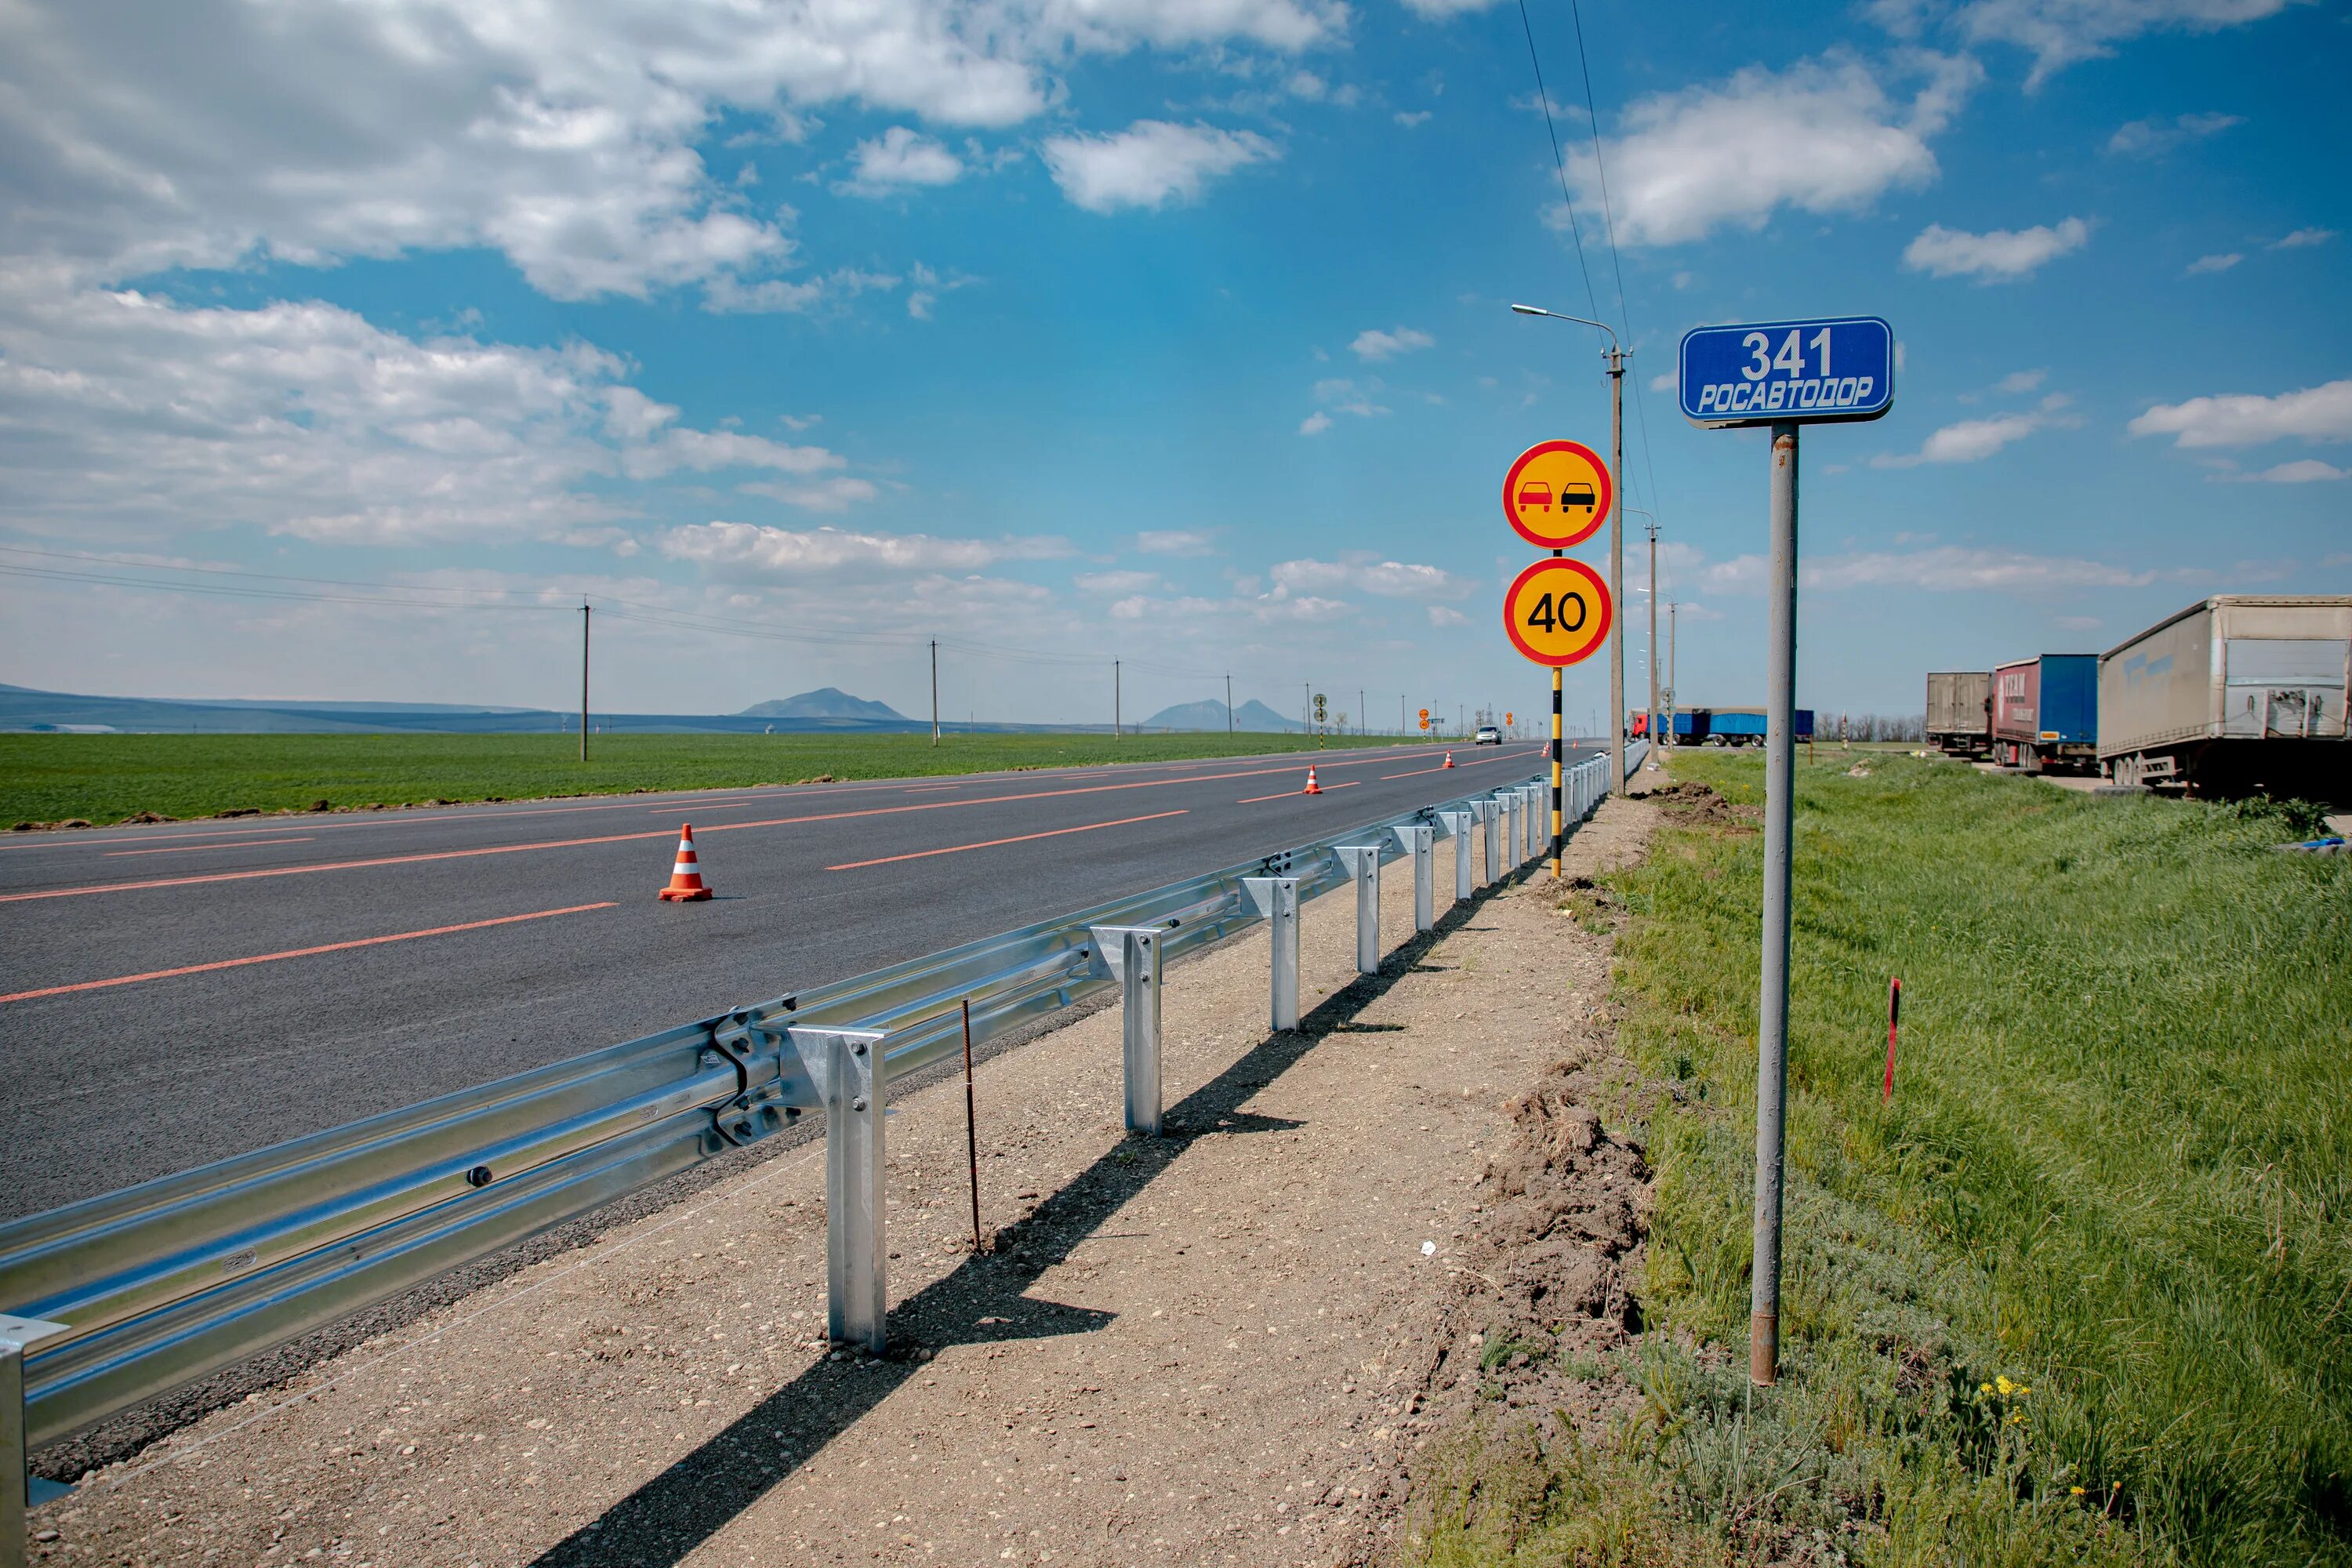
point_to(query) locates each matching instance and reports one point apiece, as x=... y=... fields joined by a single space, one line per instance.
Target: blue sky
x=1169 y=330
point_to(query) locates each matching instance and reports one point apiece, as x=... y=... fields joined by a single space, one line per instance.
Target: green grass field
x=106 y=778
x=2084 y=1292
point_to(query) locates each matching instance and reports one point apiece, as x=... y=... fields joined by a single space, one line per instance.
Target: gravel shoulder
x=1219 y=1346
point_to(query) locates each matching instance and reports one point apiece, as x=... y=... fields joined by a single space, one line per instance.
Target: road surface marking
x=1293 y=793
x=297 y=953
x=1475 y=763
x=192 y=848
x=430 y=855
x=992 y=843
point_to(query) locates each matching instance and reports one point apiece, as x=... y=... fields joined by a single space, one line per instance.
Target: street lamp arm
x=1581 y=320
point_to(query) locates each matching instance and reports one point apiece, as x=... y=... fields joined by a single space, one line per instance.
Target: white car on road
x=1487 y=735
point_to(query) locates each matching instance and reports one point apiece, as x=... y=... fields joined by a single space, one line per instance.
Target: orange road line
x=431 y=855
x=191 y=849
x=297 y=953
x=1479 y=762
x=992 y=843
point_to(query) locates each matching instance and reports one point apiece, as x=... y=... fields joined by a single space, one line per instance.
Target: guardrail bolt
x=479 y=1176
x=858 y=1103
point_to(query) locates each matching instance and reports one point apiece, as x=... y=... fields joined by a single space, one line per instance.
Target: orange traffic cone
x=1449 y=762
x=684 y=877
x=1312 y=787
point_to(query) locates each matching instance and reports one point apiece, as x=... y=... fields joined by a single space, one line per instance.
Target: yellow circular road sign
x=1557 y=494
x=1557 y=612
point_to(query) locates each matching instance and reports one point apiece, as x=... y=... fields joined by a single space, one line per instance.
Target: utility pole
x=1617 y=568
x=935 y=691
x=1363 y=714
x=1653 y=633
x=584 y=679
x=1114 y=699
x=1307 y=705
x=1229 y=704
x=1674 y=664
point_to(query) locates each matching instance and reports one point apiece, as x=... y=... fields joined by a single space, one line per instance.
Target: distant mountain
x=825 y=702
x=1253 y=716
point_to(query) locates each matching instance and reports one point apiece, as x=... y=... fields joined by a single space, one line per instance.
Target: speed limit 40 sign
x=1557 y=612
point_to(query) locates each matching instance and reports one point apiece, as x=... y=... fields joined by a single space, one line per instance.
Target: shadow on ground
x=983 y=1301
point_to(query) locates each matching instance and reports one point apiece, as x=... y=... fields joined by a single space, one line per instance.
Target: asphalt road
x=333 y=966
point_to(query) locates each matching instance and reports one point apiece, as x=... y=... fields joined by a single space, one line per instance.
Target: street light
x=1616 y=579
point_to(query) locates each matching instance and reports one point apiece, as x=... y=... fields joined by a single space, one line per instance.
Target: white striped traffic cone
x=1312 y=787
x=684 y=877
x=1449 y=762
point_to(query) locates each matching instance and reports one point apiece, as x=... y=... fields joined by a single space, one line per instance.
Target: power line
x=1616 y=257
x=1558 y=162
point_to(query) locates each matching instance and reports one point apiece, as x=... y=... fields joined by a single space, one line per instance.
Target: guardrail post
x=1490 y=819
x=1363 y=864
x=1132 y=953
x=1457 y=828
x=16 y=1335
x=1533 y=795
x=845 y=1066
x=1277 y=899
x=1416 y=839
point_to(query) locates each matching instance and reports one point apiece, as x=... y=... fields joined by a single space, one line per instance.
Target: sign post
x=1781 y=374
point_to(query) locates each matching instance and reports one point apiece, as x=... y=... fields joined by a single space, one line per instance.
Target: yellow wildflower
x=2004 y=1384
x=2077 y=1490
x=1984 y=1388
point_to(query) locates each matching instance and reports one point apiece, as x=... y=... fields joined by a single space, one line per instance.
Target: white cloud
x=1116 y=583
x=1376 y=346
x=2023 y=381
x=728 y=295
x=1998 y=256
x=1176 y=542
x=751 y=547
x=2061 y=33
x=898 y=158
x=1367 y=574
x=1665 y=381
x=2078 y=623
x=569 y=143
x=2302 y=471
x=1945 y=569
x=1821 y=137
x=1969 y=441
x=838 y=493
x=2206 y=264
x=1412 y=117
x=2304 y=237
x=2153 y=138
x=1314 y=424
x=2240 y=419
x=1440 y=615
x=124 y=415
x=1445 y=10
x=1149 y=164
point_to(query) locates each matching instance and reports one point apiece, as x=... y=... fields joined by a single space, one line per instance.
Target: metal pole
x=1674 y=662
x=1114 y=699
x=583 y=680
x=935 y=691
x=1772 y=1003
x=971 y=1129
x=1557 y=835
x=1617 y=567
x=1228 y=705
x=1363 y=715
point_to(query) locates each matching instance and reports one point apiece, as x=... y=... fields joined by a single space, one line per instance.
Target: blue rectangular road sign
x=1811 y=372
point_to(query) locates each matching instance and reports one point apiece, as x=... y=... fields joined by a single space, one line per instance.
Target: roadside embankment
x=1209 y=1347
x=2081 y=1292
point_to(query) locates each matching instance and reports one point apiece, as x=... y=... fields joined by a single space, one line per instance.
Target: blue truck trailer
x=1742 y=726
x=2045 y=712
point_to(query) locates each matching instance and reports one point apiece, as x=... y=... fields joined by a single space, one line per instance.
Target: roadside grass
x=106 y=778
x=2083 y=1293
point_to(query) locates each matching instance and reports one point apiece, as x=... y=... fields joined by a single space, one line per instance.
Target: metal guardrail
x=123 y=1296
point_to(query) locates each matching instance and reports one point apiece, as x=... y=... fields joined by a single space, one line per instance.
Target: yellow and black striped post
x=1555 y=772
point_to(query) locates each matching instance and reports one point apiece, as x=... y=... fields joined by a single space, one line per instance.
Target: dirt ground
x=1219 y=1346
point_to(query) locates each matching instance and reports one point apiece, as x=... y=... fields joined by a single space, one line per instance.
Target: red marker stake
x=1894 y=1016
